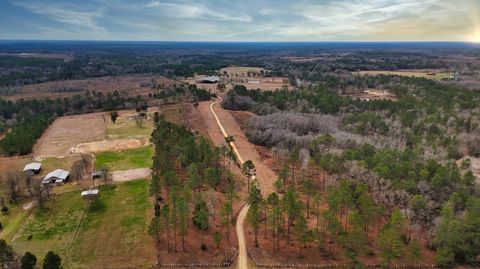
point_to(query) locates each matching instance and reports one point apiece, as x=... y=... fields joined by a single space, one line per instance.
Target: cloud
x=195 y=11
x=76 y=16
x=247 y=20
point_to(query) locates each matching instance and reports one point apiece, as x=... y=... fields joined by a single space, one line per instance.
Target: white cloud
x=77 y=16
x=195 y=11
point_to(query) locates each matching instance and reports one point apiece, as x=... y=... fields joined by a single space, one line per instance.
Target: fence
x=332 y=265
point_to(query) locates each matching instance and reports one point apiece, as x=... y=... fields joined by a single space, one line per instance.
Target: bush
x=4 y=210
x=28 y=261
x=52 y=261
x=474 y=148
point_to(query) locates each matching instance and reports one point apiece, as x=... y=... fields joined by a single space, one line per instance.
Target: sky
x=244 y=20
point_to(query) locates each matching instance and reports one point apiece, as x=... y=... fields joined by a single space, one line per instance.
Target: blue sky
x=243 y=20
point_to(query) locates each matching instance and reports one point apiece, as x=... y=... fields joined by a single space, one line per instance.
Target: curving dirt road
x=265 y=176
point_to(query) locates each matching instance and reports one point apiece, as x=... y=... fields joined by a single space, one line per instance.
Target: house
x=58 y=176
x=209 y=79
x=33 y=167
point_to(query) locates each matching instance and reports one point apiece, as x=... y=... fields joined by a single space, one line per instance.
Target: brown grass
x=422 y=73
x=128 y=85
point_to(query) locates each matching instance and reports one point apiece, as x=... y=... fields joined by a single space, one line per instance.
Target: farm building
x=33 y=167
x=58 y=176
x=209 y=79
x=97 y=174
x=90 y=195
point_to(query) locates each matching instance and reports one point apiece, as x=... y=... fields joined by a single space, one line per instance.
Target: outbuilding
x=33 y=167
x=209 y=79
x=90 y=195
x=59 y=176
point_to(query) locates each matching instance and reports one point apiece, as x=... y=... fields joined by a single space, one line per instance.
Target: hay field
x=430 y=74
x=129 y=85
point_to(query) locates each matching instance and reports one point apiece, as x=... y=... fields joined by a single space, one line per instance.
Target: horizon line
x=199 y=41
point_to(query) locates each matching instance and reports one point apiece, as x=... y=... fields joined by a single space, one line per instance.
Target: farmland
x=103 y=231
x=125 y=159
x=132 y=85
x=429 y=74
x=250 y=77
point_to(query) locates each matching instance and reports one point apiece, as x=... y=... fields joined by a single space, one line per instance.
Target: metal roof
x=89 y=192
x=210 y=79
x=59 y=174
x=32 y=166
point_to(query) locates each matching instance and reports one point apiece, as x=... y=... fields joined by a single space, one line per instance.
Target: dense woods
x=22 y=137
x=191 y=186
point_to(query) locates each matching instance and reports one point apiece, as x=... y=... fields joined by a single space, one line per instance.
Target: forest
x=410 y=155
x=193 y=190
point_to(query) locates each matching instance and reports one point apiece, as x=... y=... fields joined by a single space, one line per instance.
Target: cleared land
x=66 y=132
x=107 y=236
x=372 y=95
x=250 y=77
x=125 y=159
x=129 y=85
x=241 y=71
x=430 y=74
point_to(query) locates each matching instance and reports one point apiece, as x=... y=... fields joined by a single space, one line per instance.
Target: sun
x=476 y=36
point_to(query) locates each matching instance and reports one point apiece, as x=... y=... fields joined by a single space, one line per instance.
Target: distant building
x=58 y=176
x=209 y=79
x=33 y=167
x=97 y=174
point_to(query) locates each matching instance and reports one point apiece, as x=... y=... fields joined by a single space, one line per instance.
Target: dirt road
x=220 y=124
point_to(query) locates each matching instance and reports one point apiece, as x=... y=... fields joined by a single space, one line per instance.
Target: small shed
x=33 y=167
x=58 y=176
x=90 y=195
x=97 y=174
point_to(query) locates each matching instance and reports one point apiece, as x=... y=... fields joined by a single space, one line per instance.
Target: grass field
x=125 y=159
x=52 y=228
x=409 y=73
x=110 y=236
x=126 y=127
x=107 y=235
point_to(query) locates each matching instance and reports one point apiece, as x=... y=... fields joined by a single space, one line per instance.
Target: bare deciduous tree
x=15 y=183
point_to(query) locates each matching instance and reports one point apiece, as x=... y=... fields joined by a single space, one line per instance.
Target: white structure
x=58 y=176
x=89 y=193
x=35 y=167
x=209 y=79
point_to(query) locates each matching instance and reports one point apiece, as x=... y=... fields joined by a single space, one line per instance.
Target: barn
x=59 y=176
x=32 y=167
x=209 y=79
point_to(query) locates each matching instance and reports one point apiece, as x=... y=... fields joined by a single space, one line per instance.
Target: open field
x=250 y=77
x=107 y=236
x=125 y=159
x=130 y=85
x=430 y=74
x=241 y=71
x=372 y=95
x=126 y=127
x=66 y=132
x=65 y=57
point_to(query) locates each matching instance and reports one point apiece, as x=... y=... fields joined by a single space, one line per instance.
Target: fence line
x=332 y=265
